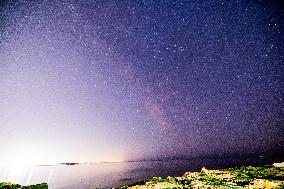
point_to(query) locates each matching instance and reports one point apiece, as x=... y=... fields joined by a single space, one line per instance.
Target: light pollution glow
x=92 y=81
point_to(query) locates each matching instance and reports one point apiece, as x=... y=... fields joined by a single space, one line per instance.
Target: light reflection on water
x=107 y=175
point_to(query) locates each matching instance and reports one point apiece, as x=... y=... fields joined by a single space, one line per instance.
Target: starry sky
x=134 y=80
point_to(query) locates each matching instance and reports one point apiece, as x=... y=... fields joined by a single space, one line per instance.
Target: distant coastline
x=69 y=163
x=263 y=156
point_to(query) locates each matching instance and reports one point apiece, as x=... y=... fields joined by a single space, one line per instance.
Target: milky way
x=127 y=80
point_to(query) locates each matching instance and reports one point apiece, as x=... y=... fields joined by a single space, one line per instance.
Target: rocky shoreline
x=271 y=176
x=236 y=178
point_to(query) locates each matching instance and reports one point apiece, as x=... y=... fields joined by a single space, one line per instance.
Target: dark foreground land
x=235 y=178
x=8 y=185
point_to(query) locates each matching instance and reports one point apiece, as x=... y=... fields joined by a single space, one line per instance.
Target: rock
x=204 y=170
x=278 y=164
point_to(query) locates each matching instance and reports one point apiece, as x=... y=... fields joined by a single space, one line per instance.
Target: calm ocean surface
x=107 y=175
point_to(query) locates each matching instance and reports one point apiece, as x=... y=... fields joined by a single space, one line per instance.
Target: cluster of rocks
x=238 y=178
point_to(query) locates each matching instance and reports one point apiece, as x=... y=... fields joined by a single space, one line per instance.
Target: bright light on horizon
x=38 y=156
x=25 y=161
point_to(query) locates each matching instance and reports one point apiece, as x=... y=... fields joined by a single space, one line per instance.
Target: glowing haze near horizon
x=126 y=80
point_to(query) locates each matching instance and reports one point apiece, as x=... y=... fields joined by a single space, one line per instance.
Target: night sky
x=133 y=80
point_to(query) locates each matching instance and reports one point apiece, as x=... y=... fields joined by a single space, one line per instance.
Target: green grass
x=250 y=173
x=8 y=185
